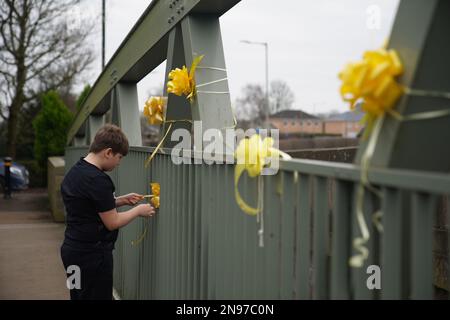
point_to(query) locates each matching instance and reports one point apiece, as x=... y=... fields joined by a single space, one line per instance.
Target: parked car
x=19 y=176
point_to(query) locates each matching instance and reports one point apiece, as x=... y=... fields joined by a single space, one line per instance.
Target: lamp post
x=103 y=33
x=266 y=46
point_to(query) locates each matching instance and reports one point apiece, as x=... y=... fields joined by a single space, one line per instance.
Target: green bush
x=51 y=126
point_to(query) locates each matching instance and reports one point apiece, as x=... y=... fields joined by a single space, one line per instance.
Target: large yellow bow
x=154 y=110
x=183 y=83
x=251 y=155
x=372 y=80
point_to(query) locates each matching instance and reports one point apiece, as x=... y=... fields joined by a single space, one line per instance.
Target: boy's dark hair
x=110 y=136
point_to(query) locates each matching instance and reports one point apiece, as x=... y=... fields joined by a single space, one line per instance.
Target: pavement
x=30 y=263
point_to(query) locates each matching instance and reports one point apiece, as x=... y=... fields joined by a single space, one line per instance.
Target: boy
x=92 y=219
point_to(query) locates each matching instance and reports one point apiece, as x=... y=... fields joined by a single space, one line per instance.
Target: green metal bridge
x=202 y=246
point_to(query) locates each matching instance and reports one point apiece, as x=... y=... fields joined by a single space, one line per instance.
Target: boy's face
x=111 y=160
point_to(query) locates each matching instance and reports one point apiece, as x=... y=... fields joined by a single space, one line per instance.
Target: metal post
x=7 y=192
x=125 y=112
x=103 y=33
x=267 y=86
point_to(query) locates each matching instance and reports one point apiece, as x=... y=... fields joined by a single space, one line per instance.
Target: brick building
x=291 y=122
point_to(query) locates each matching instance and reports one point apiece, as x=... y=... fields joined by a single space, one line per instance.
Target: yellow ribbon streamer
x=357 y=261
x=152 y=155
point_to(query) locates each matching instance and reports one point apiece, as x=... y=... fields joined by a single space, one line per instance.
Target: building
x=347 y=124
x=296 y=122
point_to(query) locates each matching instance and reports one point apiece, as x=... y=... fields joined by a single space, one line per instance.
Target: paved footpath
x=30 y=263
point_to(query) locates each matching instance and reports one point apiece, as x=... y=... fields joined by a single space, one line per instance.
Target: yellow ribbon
x=357 y=261
x=181 y=82
x=154 y=110
x=154 y=200
x=372 y=81
x=156 y=190
x=251 y=155
x=152 y=155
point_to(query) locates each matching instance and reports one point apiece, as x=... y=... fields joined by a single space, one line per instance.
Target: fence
x=202 y=246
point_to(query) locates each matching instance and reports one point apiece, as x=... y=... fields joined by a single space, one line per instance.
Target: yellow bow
x=372 y=80
x=183 y=83
x=154 y=110
x=251 y=155
x=156 y=188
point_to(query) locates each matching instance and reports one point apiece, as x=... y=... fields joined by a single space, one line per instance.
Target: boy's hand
x=130 y=199
x=146 y=210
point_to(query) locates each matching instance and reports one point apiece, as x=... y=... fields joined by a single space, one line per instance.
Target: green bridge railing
x=202 y=246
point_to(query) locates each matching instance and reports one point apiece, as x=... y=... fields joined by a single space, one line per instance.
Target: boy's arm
x=114 y=220
x=130 y=199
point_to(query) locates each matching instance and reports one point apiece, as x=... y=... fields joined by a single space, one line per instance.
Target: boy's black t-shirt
x=86 y=191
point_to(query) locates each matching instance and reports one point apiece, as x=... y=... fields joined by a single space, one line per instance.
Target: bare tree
x=39 y=51
x=251 y=106
x=281 y=96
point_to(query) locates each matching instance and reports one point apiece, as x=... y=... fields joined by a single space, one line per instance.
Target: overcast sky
x=309 y=42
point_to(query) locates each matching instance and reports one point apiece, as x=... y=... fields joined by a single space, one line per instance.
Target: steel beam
x=178 y=107
x=94 y=123
x=126 y=112
x=143 y=49
x=201 y=36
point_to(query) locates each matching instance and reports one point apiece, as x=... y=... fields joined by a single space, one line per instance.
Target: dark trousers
x=96 y=273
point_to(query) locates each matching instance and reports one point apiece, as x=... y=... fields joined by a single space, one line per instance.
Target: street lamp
x=266 y=45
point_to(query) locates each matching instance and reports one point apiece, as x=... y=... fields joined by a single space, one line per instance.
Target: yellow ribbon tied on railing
x=252 y=154
x=154 y=200
x=156 y=189
x=372 y=81
x=181 y=82
x=154 y=110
